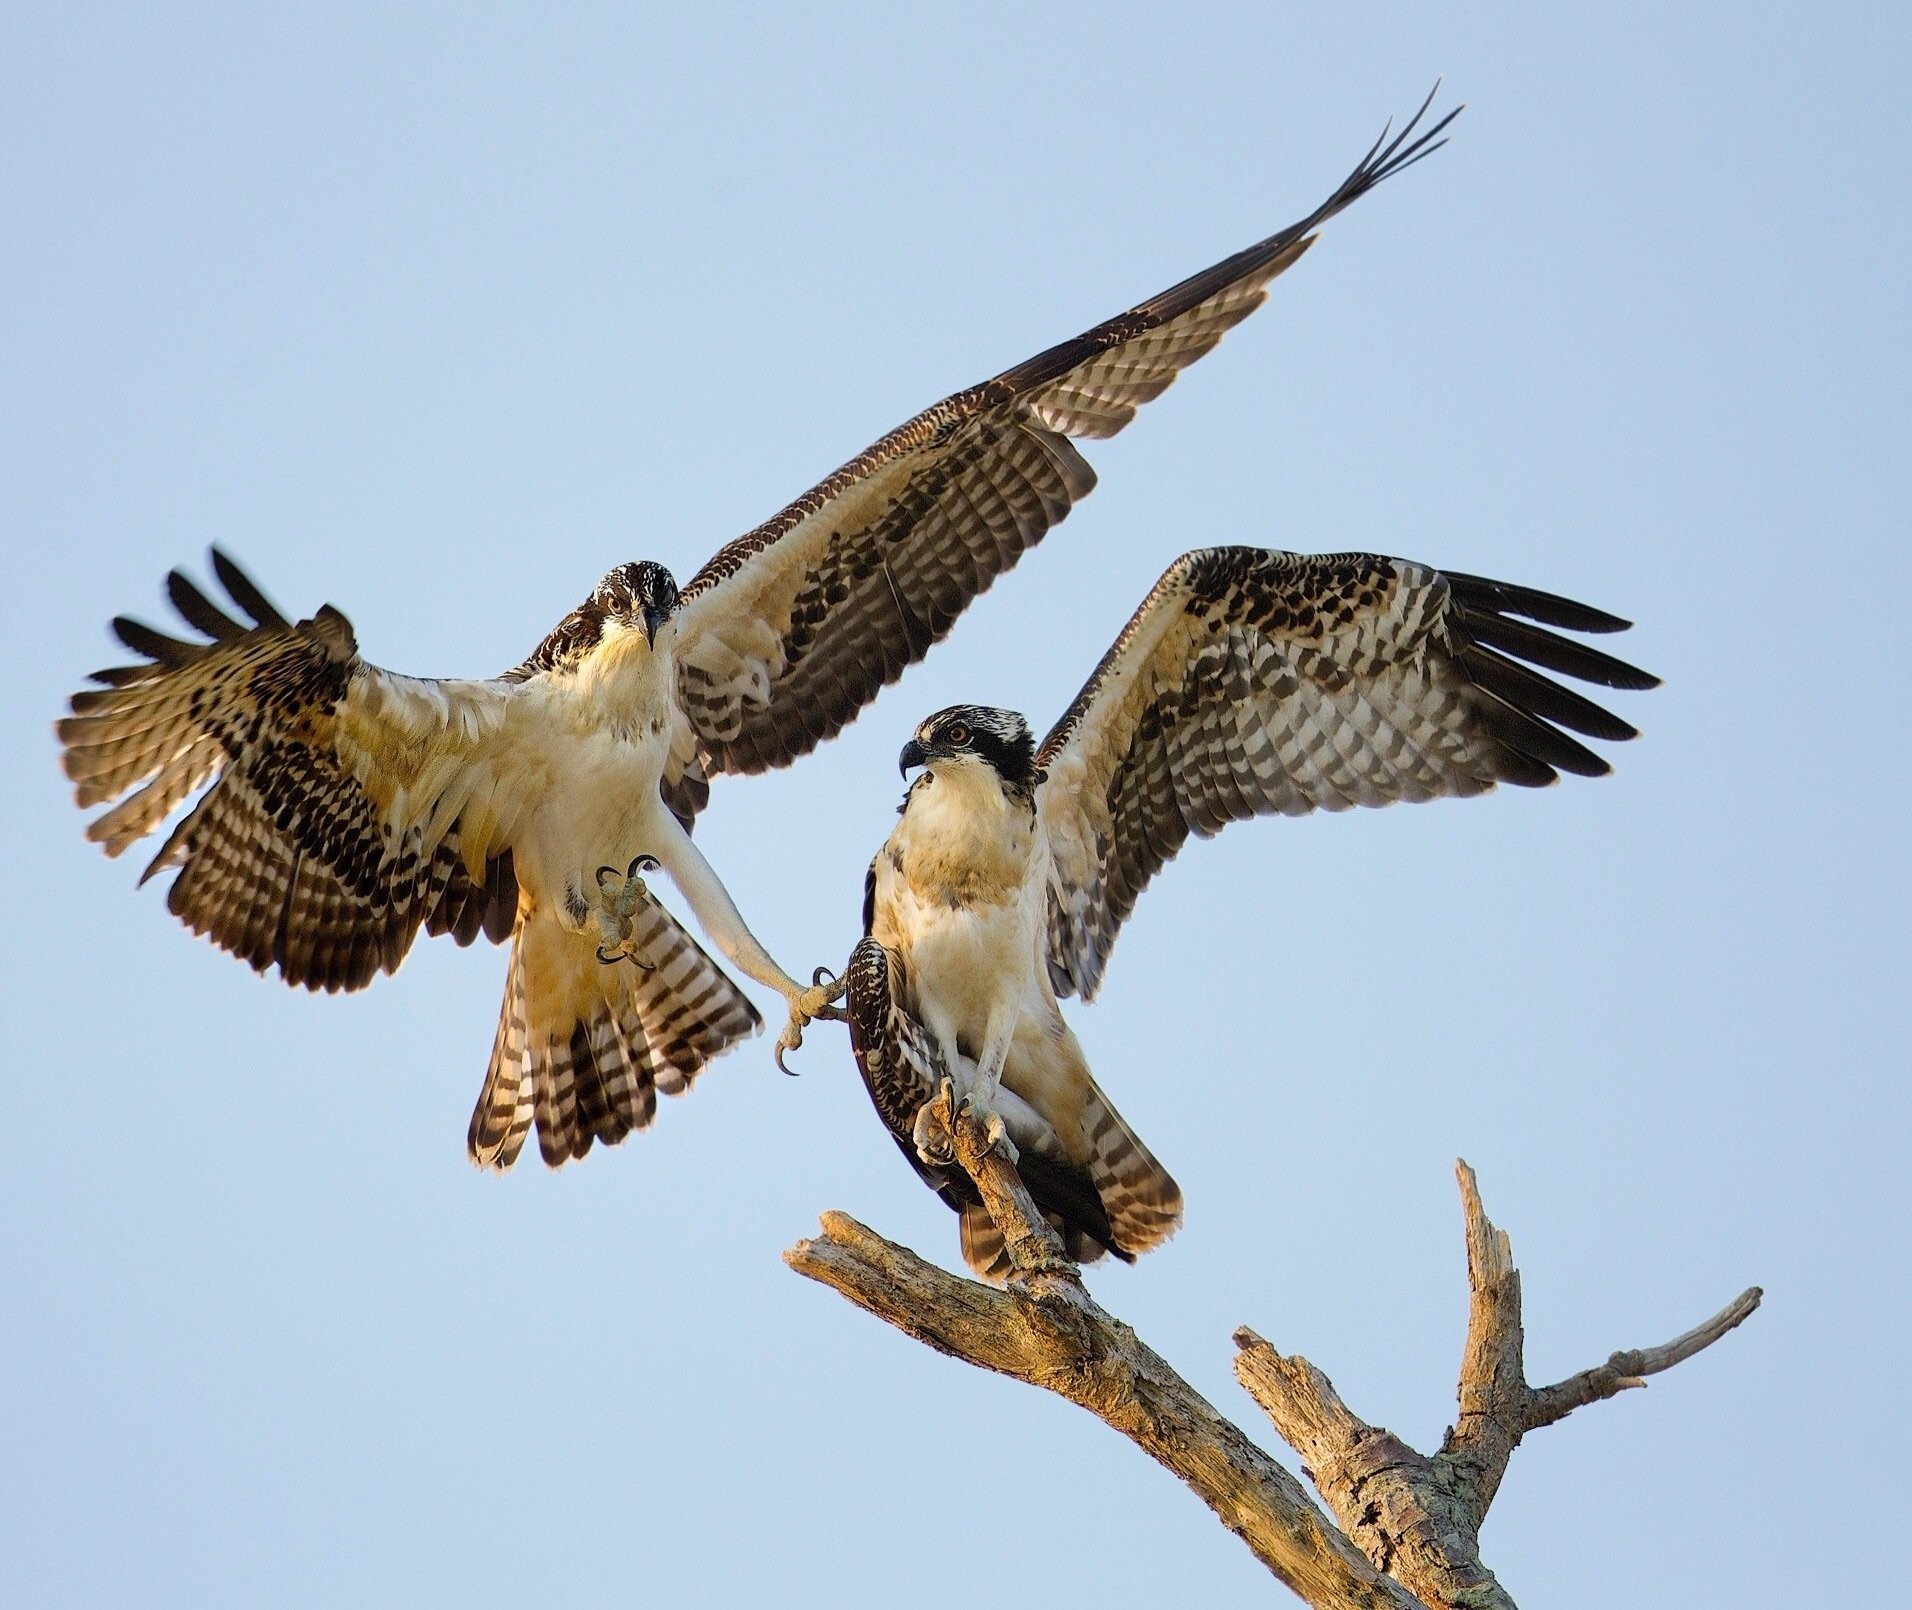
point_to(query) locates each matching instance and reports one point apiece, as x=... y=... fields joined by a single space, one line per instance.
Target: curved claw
x=605 y=872
x=807 y=1007
x=776 y=1056
x=608 y=958
x=823 y=978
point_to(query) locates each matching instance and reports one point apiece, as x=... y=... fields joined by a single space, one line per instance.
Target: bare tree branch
x=1418 y=1518
x=1410 y=1524
x=1630 y=1368
x=1045 y=1328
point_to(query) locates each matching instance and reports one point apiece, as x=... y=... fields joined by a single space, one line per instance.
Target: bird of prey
x=351 y=807
x=1249 y=682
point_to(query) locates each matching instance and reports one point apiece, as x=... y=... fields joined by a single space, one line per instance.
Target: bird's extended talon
x=789 y=1040
x=819 y=1000
x=610 y=958
x=996 y=1133
x=806 y=1006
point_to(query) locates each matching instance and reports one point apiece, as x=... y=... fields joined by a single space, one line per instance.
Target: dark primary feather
x=239 y=586
x=862 y=574
x=1253 y=681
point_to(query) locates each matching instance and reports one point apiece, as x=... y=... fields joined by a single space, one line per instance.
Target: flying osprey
x=1249 y=682
x=350 y=806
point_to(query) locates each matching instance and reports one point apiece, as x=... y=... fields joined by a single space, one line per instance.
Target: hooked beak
x=913 y=754
x=653 y=618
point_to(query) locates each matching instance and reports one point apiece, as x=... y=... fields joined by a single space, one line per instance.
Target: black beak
x=914 y=754
x=654 y=617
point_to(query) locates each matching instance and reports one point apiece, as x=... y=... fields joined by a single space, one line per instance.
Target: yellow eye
x=957 y=735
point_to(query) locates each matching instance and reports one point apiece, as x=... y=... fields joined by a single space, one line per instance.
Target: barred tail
x=583 y=1046
x=1141 y=1197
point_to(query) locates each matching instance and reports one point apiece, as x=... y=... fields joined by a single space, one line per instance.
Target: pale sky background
x=438 y=316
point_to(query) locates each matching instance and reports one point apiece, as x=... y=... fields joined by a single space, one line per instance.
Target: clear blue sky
x=439 y=316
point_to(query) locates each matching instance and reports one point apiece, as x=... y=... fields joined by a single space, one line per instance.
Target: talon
x=996 y=1134
x=931 y=1133
x=608 y=957
x=605 y=872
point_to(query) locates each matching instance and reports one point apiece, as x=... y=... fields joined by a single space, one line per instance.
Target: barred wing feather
x=348 y=806
x=1253 y=682
x=790 y=630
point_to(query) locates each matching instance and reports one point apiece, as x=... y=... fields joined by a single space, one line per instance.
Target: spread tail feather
x=583 y=1047
x=1141 y=1197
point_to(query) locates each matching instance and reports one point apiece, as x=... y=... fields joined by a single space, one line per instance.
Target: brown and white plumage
x=1095 y=1181
x=350 y=807
x=789 y=630
x=1249 y=682
x=1252 y=682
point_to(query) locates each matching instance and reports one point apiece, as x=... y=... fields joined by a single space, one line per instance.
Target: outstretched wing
x=1252 y=681
x=790 y=630
x=348 y=806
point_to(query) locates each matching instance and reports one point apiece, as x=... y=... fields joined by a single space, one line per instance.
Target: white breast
x=597 y=740
x=958 y=895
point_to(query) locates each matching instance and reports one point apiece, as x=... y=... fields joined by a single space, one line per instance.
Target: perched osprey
x=350 y=807
x=1249 y=682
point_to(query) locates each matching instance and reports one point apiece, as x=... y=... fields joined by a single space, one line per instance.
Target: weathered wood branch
x=1045 y=1328
x=1410 y=1524
x=1419 y=1518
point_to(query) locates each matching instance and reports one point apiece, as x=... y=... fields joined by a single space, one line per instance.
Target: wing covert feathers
x=791 y=629
x=1252 y=681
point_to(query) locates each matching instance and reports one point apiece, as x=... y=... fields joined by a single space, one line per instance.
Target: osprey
x=1249 y=682
x=351 y=807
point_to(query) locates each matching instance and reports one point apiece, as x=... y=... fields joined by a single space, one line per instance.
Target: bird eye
x=958 y=735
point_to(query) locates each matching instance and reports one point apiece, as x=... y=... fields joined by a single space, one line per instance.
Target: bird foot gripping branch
x=938 y=1119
